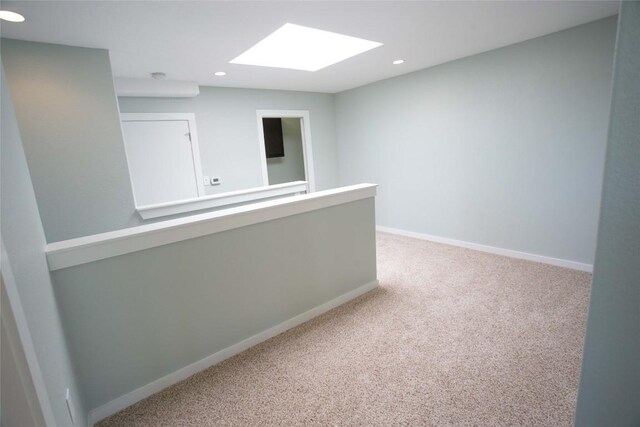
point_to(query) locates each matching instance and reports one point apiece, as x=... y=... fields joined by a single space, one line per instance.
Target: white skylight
x=303 y=48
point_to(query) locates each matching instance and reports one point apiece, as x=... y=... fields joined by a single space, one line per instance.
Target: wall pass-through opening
x=285 y=147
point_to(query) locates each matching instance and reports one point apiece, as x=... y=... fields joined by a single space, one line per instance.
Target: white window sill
x=224 y=199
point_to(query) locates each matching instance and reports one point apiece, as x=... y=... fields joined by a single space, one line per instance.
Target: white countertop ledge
x=82 y=250
x=217 y=200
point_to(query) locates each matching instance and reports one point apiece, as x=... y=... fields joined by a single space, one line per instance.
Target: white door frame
x=193 y=130
x=305 y=128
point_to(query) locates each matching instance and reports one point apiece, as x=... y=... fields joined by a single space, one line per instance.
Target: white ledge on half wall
x=223 y=199
x=82 y=250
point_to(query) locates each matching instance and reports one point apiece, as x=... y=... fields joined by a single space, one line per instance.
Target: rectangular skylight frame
x=302 y=48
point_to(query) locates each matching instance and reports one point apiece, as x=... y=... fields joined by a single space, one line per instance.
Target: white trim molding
x=307 y=152
x=222 y=199
x=26 y=341
x=82 y=250
x=145 y=391
x=491 y=249
x=155 y=88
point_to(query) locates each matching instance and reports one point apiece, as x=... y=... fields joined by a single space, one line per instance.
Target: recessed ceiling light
x=11 y=16
x=219 y=73
x=398 y=62
x=303 y=48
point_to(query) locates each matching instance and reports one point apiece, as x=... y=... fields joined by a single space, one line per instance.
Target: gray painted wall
x=19 y=404
x=290 y=167
x=24 y=241
x=173 y=305
x=68 y=117
x=505 y=148
x=610 y=383
x=228 y=130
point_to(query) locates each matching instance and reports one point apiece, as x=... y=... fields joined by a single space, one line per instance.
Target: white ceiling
x=191 y=40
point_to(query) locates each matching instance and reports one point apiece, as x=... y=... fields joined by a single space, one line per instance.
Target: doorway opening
x=285 y=147
x=163 y=156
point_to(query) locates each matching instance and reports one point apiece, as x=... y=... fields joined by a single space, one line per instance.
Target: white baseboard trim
x=160 y=384
x=491 y=249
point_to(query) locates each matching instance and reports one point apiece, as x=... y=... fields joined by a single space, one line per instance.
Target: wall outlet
x=215 y=180
x=70 y=406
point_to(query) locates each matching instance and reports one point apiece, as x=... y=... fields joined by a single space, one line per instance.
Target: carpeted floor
x=452 y=337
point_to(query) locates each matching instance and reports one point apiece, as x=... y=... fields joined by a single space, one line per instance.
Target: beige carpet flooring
x=453 y=337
